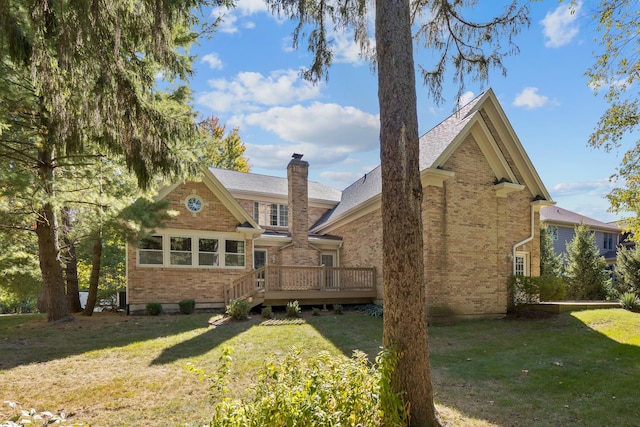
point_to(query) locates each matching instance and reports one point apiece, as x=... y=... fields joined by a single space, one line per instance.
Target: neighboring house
x=561 y=226
x=271 y=240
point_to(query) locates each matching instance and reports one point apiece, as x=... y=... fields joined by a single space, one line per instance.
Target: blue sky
x=248 y=76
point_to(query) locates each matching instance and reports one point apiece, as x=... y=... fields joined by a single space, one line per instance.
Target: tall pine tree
x=81 y=72
x=586 y=271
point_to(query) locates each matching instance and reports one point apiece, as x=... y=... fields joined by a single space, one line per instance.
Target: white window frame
x=195 y=237
x=281 y=215
x=526 y=264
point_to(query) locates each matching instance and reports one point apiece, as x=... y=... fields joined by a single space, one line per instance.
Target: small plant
x=629 y=301
x=267 y=312
x=238 y=309
x=315 y=311
x=154 y=308
x=288 y=392
x=293 y=309
x=338 y=309
x=187 y=306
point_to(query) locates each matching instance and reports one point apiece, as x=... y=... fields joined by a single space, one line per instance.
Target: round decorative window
x=194 y=204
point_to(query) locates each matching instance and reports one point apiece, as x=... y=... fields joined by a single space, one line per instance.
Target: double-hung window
x=208 y=252
x=181 y=252
x=150 y=250
x=279 y=216
x=175 y=250
x=234 y=253
x=608 y=241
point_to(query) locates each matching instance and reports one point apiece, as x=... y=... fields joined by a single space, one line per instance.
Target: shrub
x=319 y=389
x=338 y=309
x=187 y=306
x=315 y=311
x=267 y=312
x=629 y=301
x=375 y=310
x=552 y=288
x=238 y=309
x=154 y=308
x=293 y=309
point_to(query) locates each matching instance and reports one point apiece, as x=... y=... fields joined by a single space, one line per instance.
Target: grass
x=113 y=370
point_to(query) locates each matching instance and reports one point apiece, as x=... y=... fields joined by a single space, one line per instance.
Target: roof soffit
x=514 y=147
x=227 y=199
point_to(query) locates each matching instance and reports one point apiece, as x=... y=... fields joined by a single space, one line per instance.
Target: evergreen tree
x=74 y=73
x=472 y=49
x=627 y=270
x=550 y=262
x=586 y=270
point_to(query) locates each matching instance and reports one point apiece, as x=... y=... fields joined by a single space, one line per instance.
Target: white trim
x=194 y=235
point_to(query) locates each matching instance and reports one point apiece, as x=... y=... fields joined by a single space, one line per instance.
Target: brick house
x=271 y=239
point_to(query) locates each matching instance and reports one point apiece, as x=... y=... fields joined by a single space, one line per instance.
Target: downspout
x=527 y=240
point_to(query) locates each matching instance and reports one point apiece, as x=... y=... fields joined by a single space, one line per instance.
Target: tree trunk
x=49 y=246
x=95 y=275
x=405 y=325
x=71 y=265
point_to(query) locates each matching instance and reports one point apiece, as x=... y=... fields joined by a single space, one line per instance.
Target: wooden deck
x=278 y=285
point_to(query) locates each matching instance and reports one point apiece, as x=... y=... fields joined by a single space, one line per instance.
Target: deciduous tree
x=221 y=149
x=472 y=48
x=616 y=73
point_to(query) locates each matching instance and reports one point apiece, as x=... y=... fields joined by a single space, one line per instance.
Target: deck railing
x=295 y=278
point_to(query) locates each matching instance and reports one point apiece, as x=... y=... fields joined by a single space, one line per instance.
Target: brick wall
x=468 y=236
x=171 y=285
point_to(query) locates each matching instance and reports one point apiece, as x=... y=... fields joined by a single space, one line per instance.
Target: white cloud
x=529 y=98
x=249 y=91
x=213 y=60
x=327 y=133
x=330 y=126
x=465 y=98
x=559 y=27
x=598 y=187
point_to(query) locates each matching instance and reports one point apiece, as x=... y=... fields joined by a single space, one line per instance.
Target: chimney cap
x=297 y=156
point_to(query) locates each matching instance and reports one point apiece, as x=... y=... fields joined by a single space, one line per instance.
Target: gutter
x=535 y=204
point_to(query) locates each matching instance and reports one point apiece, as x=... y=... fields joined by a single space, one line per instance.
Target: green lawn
x=571 y=369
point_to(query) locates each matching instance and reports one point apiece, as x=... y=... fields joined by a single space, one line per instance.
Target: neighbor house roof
x=560 y=216
x=435 y=148
x=251 y=183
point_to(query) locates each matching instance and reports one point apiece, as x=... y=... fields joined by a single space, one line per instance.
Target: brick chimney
x=297 y=175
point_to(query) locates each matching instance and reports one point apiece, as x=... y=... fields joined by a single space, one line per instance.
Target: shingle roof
x=432 y=145
x=555 y=214
x=270 y=185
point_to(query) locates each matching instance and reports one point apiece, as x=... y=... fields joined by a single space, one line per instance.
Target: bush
x=532 y=290
x=338 y=309
x=293 y=309
x=552 y=288
x=187 y=306
x=315 y=311
x=267 y=312
x=319 y=389
x=238 y=309
x=154 y=308
x=629 y=301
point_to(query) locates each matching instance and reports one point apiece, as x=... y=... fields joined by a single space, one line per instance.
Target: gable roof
x=256 y=184
x=560 y=216
x=437 y=145
x=222 y=193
